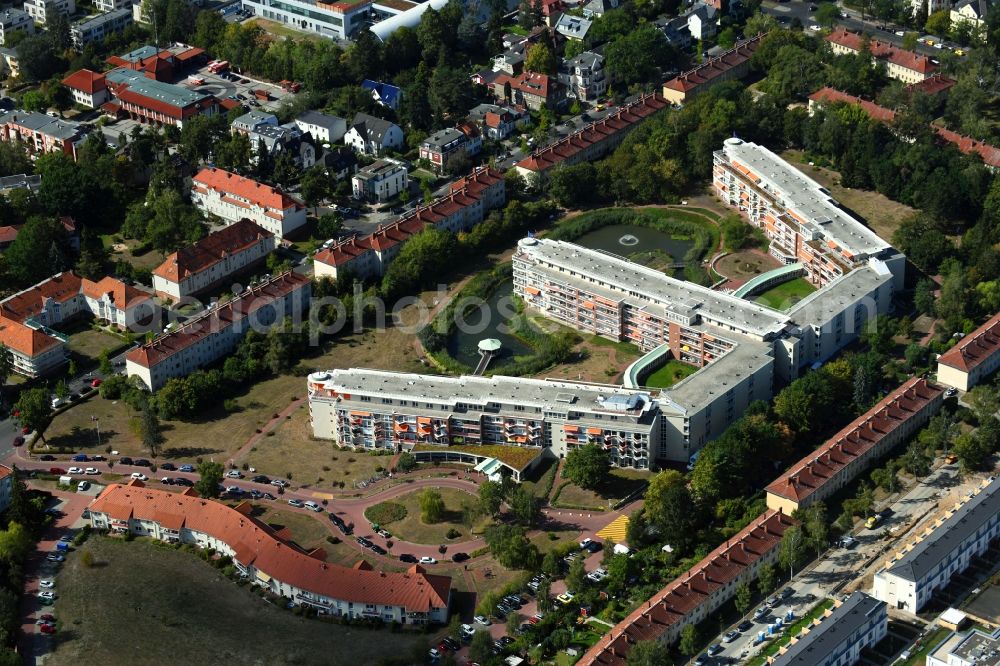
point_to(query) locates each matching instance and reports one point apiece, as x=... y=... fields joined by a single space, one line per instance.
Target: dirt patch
x=881 y=213
x=178 y=609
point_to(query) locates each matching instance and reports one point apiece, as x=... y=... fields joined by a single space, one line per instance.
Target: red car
x=25 y=430
x=47 y=629
x=56 y=470
x=95 y=383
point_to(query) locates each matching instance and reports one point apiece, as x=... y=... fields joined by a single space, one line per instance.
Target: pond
x=486 y=322
x=654 y=248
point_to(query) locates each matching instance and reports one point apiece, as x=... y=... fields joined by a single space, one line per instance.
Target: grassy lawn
x=279 y=30
x=384 y=513
x=413 y=530
x=178 y=609
x=312 y=463
x=306 y=528
x=930 y=641
x=618 y=484
x=88 y=343
x=745 y=264
x=123 y=251
x=545 y=543
x=671 y=373
x=786 y=294
x=881 y=213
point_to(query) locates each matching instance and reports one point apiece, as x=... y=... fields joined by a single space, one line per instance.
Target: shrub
x=87 y=558
x=270 y=433
x=385 y=512
x=452 y=533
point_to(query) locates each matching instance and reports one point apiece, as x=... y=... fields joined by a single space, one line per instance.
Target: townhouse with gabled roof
x=211 y=261
x=907 y=66
x=233 y=198
x=369 y=135
x=88 y=88
x=498 y=122
x=26 y=317
x=695 y=594
x=973 y=358
x=323 y=127
x=733 y=64
x=465 y=206
x=590 y=143
x=270 y=559
x=215 y=332
x=837 y=636
x=530 y=89
x=850 y=452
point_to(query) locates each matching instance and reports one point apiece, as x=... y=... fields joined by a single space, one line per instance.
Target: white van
x=83 y=485
x=59 y=402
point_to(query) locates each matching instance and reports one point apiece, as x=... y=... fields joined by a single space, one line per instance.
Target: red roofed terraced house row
x=210 y=261
x=233 y=198
x=697 y=593
x=593 y=142
x=852 y=450
x=270 y=559
x=26 y=316
x=907 y=66
x=733 y=64
x=974 y=358
x=216 y=332
x=460 y=210
x=967 y=145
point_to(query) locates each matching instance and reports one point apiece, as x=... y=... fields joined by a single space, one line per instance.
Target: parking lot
x=233 y=86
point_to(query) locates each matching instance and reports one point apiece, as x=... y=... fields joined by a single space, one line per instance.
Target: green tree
x=431 y=506
x=511 y=547
x=40 y=250
x=743 y=598
x=915 y=460
x=648 y=653
x=972 y=451
x=481 y=647
x=34 y=409
x=150 y=428
x=587 y=466
x=690 y=641
x=670 y=507
x=315 y=185
x=792 y=548
x=805 y=401
x=827 y=14
x=210 y=476
x=407 y=462
x=544 y=595
x=767 y=577
x=576 y=577
x=540 y=59
x=939 y=23
x=525 y=508
x=491 y=496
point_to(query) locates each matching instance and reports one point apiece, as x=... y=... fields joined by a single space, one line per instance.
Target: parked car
x=234 y=474
x=48 y=583
x=375 y=548
x=745 y=625
x=56 y=470
x=185 y=468
x=565 y=598
x=180 y=481
x=168 y=467
x=91 y=470
x=95 y=383
x=483 y=620
x=167 y=481
x=47 y=458
x=406 y=557
x=313 y=506
x=19 y=440
x=459 y=557
x=55 y=557
x=125 y=460
x=47 y=629
x=139 y=476
x=260 y=478
x=75 y=470
x=280 y=482
x=730 y=636
x=427 y=559
x=83 y=485
x=297 y=503
x=45 y=594
x=142 y=462
x=80 y=457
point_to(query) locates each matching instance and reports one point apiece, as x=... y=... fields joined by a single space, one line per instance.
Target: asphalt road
x=839 y=565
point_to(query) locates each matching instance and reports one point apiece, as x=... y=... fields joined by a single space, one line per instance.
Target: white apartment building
x=741 y=346
x=213 y=260
x=216 y=332
x=380 y=181
x=112 y=5
x=968 y=648
x=973 y=358
x=917 y=570
x=322 y=127
x=369 y=135
x=233 y=198
x=96 y=28
x=269 y=560
x=839 y=636
x=40 y=9
x=380 y=410
x=584 y=76
x=14 y=20
x=336 y=20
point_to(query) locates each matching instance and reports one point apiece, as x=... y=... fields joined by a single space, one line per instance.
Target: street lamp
x=97 y=421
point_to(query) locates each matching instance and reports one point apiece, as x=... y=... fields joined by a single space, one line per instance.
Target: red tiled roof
x=883 y=51
x=529 y=83
x=61 y=287
x=989 y=154
x=854 y=441
x=830 y=95
x=684 y=594
x=932 y=85
x=5 y=471
x=122 y=295
x=624 y=118
x=254 y=543
x=8 y=234
x=463 y=192
x=192 y=52
x=974 y=348
x=86 y=81
x=256 y=193
x=164 y=346
x=715 y=67
x=25 y=340
x=211 y=250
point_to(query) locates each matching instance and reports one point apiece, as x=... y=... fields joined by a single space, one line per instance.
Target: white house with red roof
x=907 y=66
x=270 y=559
x=88 y=88
x=233 y=198
x=26 y=317
x=210 y=261
x=461 y=209
x=973 y=359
